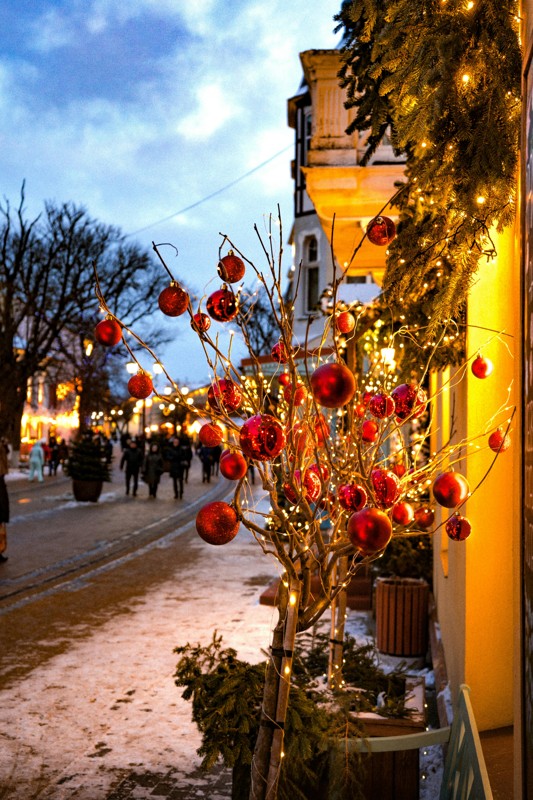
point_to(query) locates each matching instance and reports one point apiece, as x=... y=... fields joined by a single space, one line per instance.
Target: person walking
x=153 y=469
x=186 y=455
x=53 y=463
x=132 y=459
x=174 y=456
x=36 y=461
x=4 y=498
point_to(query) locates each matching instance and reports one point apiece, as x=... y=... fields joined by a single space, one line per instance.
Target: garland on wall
x=442 y=79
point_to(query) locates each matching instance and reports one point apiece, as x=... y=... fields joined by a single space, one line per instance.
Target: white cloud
x=214 y=108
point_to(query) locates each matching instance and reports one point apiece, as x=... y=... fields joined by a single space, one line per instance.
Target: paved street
x=93 y=600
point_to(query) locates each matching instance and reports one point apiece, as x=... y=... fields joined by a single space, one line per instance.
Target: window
x=311 y=274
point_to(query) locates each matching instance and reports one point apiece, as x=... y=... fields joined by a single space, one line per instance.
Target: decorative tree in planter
x=88 y=468
x=327 y=447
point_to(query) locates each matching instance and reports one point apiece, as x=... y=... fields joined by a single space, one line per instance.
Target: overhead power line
x=213 y=194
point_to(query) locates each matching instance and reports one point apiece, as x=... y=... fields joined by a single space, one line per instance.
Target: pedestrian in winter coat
x=206 y=457
x=174 y=456
x=132 y=459
x=153 y=469
x=36 y=461
x=4 y=499
x=186 y=455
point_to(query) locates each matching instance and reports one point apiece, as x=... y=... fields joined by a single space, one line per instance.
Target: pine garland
x=443 y=78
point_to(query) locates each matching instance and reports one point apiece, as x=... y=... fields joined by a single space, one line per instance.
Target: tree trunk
x=12 y=398
x=268 y=750
x=338 y=617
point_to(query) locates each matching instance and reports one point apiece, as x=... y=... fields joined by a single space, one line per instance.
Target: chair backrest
x=465 y=772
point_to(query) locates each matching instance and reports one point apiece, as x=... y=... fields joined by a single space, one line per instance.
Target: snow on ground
x=109 y=704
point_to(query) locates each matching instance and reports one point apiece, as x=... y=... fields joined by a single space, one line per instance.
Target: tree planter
x=390 y=775
x=402 y=616
x=87 y=491
x=359 y=591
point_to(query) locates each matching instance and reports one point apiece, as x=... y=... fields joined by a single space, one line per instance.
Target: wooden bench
x=465 y=774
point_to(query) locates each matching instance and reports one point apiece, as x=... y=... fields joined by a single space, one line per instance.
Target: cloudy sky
x=137 y=110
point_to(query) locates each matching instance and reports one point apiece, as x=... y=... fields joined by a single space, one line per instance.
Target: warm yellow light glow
x=131 y=367
x=480 y=200
x=292 y=599
x=185 y=390
x=148 y=402
x=465 y=78
x=158 y=369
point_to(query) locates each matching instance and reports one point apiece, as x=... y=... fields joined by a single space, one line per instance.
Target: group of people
x=174 y=456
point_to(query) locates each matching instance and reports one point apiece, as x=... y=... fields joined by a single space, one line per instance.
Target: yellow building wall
x=478 y=597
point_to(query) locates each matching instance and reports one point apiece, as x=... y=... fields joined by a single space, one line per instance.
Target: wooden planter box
x=402 y=616
x=390 y=775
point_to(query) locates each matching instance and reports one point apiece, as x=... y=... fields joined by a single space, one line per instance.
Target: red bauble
x=409 y=401
x=482 y=367
x=499 y=441
x=301 y=437
x=458 y=528
x=280 y=353
x=381 y=405
x=284 y=379
x=217 y=523
x=231 y=268
x=321 y=470
x=403 y=513
x=310 y=487
x=344 y=322
x=224 y=395
x=108 y=332
x=424 y=517
x=369 y=530
x=211 y=434
x=450 y=489
x=381 y=231
x=140 y=385
x=222 y=305
x=369 y=430
x=352 y=497
x=387 y=487
x=333 y=385
x=359 y=410
x=200 y=322
x=173 y=301
x=262 y=437
x=233 y=465
x=399 y=469
x=322 y=430
x=367 y=397
x=297 y=395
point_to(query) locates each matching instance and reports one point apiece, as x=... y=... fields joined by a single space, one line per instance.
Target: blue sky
x=138 y=109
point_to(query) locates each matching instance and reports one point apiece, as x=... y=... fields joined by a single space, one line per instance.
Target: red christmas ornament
x=344 y=322
x=369 y=530
x=301 y=437
x=211 y=434
x=231 y=268
x=381 y=231
x=232 y=465
x=367 y=397
x=359 y=410
x=200 y=323
x=333 y=385
x=482 y=367
x=458 y=528
x=280 y=353
x=403 y=513
x=450 y=489
x=222 y=305
x=424 y=517
x=310 y=487
x=140 y=385
x=284 y=379
x=108 y=332
x=409 y=401
x=499 y=441
x=381 y=405
x=399 y=469
x=173 y=301
x=321 y=470
x=217 y=523
x=352 y=497
x=369 y=430
x=322 y=431
x=224 y=395
x=298 y=395
x=262 y=437
x=387 y=487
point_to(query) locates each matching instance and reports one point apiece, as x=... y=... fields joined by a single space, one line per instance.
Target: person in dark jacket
x=132 y=459
x=153 y=469
x=174 y=456
x=186 y=455
x=205 y=455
